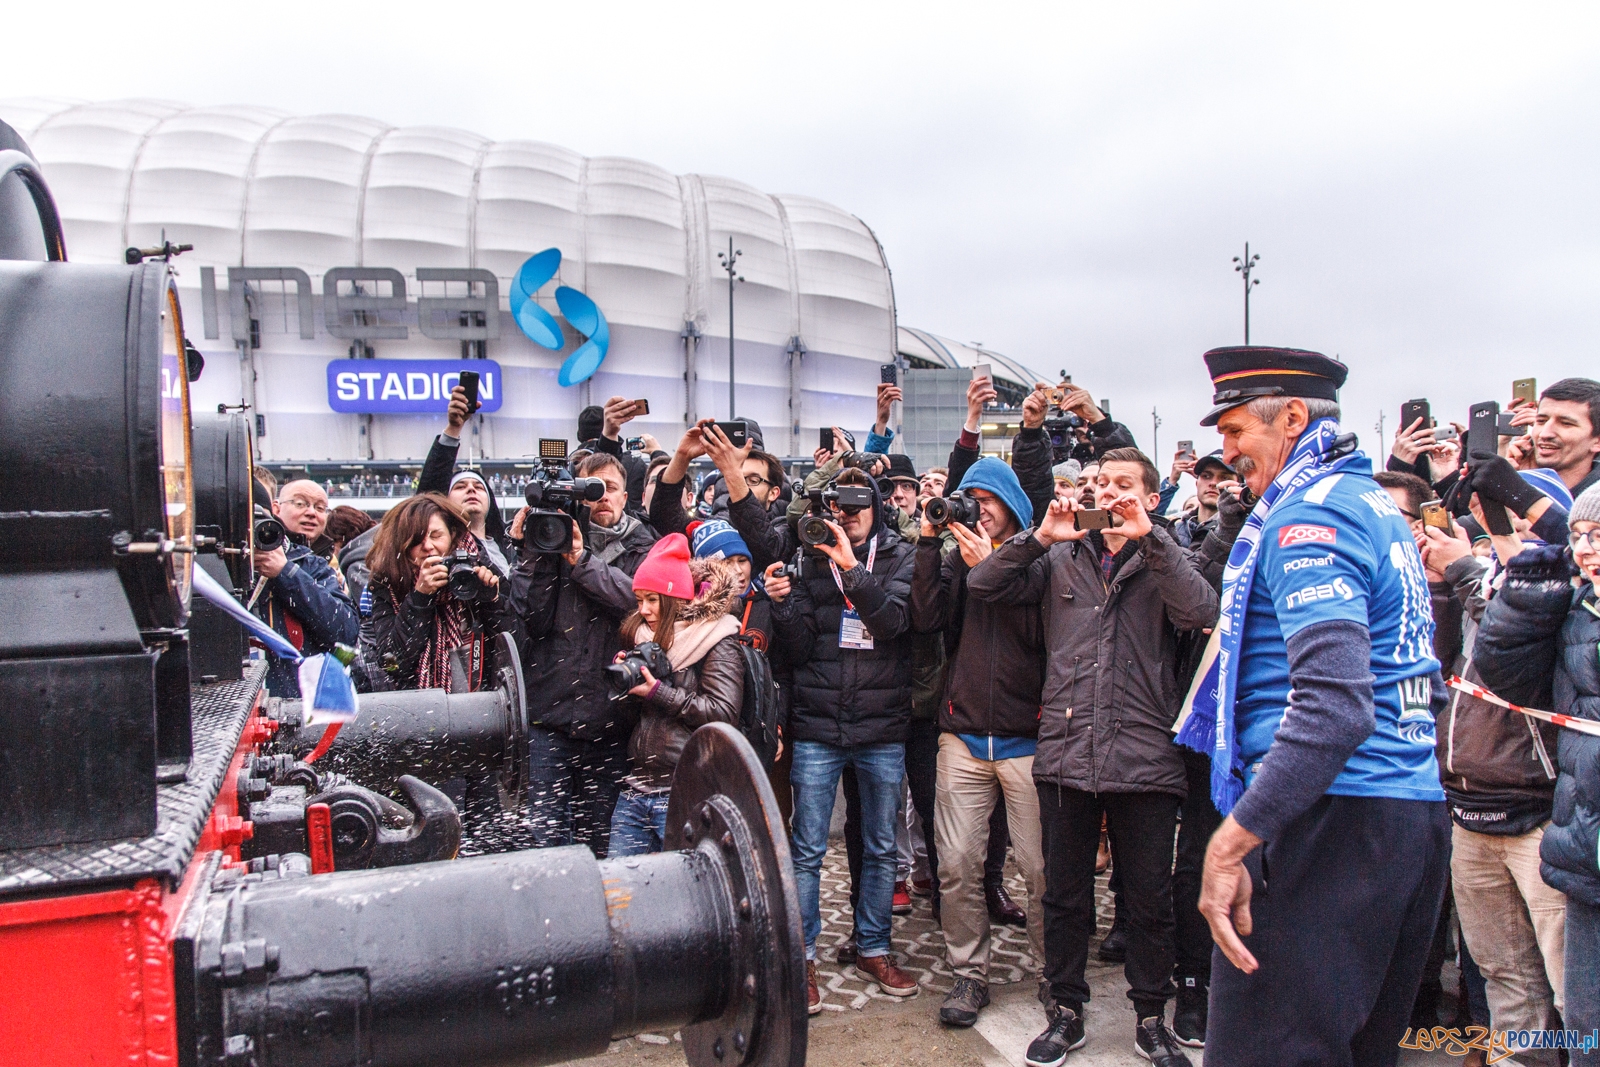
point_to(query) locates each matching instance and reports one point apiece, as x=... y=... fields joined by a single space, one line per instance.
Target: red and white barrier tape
x=1583 y=726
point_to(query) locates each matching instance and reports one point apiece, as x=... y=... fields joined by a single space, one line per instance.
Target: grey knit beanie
x=1587 y=507
x=1071 y=470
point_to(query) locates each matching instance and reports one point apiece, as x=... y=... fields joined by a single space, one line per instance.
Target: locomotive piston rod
x=528 y=957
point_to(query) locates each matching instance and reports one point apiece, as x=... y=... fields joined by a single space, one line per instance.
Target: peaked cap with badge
x=1244 y=372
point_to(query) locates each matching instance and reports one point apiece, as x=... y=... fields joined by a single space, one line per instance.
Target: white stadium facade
x=316 y=237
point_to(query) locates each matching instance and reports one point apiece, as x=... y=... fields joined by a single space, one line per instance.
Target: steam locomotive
x=190 y=874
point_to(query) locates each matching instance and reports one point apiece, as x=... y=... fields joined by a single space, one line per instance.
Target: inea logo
x=541 y=327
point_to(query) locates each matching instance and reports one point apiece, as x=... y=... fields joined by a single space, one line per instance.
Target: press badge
x=853 y=632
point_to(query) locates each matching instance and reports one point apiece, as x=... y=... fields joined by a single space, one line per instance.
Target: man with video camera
x=299 y=594
x=570 y=599
x=1116 y=591
x=845 y=624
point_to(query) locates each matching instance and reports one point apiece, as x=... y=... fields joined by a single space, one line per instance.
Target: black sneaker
x=1191 y=1015
x=1189 y=1020
x=967 y=997
x=1064 y=1034
x=1156 y=1043
x=1114 y=949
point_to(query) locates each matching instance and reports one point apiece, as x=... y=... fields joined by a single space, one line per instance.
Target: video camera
x=1060 y=428
x=958 y=507
x=269 y=533
x=814 y=526
x=629 y=671
x=554 y=499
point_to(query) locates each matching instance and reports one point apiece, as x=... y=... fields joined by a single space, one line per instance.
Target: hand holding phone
x=469 y=385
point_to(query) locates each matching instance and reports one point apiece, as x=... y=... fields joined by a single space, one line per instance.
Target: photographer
x=1536 y=647
x=846 y=627
x=569 y=606
x=467 y=489
x=600 y=430
x=698 y=637
x=419 y=614
x=988 y=723
x=1210 y=475
x=1114 y=603
x=298 y=593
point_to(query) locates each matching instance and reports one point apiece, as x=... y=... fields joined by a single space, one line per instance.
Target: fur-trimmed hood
x=717 y=587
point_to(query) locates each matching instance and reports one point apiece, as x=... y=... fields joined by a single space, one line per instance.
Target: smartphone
x=1445 y=433
x=469 y=384
x=641 y=407
x=1525 y=389
x=1435 y=515
x=1186 y=448
x=1412 y=410
x=736 y=432
x=982 y=370
x=887 y=372
x=1483 y=432
x=825 y=439
x=1094 y=519
x=1502 y=423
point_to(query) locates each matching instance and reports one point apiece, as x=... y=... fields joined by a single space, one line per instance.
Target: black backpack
x=759 y=717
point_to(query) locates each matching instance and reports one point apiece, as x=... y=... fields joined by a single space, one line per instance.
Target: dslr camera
x=629 y=671
x=464 y=583
x=958 y=507
x=554 y=499
x=269 y=533
x=814 y=527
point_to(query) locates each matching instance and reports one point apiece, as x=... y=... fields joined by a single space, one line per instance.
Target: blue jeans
x=638 y=823
x=572 y=787
x=1581 y=1012
x=815 y=775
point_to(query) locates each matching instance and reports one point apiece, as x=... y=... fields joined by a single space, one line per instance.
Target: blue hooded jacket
x=994 y=476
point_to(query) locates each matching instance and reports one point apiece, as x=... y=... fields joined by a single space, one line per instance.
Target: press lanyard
x=872 y=555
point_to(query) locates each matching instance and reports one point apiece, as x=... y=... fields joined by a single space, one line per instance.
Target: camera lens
x=548 y=532
x=464 y=582
x=814 y=531
x=269 y=534
x=937 y=511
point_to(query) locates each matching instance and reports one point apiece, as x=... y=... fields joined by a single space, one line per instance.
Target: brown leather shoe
x=813 y=997
x=891 y=979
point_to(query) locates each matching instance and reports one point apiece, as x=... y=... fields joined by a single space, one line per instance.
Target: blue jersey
x=1341 y=550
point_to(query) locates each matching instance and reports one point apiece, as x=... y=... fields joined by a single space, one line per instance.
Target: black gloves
x=1497 y=480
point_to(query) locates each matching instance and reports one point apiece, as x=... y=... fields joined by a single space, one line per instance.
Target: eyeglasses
x=755 y=481
x=1589 y=538
x=305 y=505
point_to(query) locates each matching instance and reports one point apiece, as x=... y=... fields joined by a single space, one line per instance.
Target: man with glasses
x=298 y=593
x=754 y=479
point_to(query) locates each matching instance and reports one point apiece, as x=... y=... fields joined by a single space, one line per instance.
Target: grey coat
x=1110 y=690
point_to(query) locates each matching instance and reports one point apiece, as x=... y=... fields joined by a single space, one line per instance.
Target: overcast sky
x=1066 y=183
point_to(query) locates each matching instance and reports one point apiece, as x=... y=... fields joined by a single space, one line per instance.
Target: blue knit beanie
x=995 y=476
x=715 y=539
x=1550 y=484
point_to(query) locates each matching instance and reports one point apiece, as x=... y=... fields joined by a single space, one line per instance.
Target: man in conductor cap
x=1323 y=883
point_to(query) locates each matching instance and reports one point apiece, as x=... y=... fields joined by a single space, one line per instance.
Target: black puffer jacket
x=570 y=616
x=846 y=696
x=711 y=689
x=1111 y=689
x=1536 y=647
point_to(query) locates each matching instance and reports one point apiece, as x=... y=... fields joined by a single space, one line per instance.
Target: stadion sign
x=407 y=386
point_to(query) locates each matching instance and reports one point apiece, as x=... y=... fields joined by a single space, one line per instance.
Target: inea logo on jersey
x=1306 y=534
x=1338 y=589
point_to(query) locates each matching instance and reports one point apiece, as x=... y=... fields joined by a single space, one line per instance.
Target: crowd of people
x=1236 y=704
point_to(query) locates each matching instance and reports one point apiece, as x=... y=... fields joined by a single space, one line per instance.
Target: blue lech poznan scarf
x=1320 y=452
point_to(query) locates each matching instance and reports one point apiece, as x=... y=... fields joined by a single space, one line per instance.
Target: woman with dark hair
x=683 y=608
x=416 y=621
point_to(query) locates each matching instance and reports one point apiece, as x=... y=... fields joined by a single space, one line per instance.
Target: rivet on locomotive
x=182 y=882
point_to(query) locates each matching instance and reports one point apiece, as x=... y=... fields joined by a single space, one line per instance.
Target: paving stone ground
x=859 y=1025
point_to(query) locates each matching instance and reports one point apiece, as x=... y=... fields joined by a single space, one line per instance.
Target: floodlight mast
x=728 y=259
